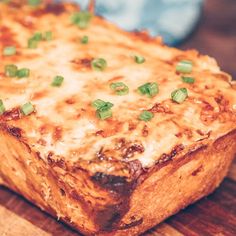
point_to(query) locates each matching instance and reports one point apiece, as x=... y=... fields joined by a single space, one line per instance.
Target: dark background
x=216 y=34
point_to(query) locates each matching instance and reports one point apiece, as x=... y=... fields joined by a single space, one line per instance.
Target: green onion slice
x=139 y=59
x=98 y=64
x=57 y=81
x=98 y=103
x=102 y=105
x=11 y=70
x=103 y=115
x=27 y=108
x=179 y=95
x=120 y=88
x=81 y=19
x=103 y=109
x=149 y=89
x=84 y=39
x=48 y=36
x=23 y=73
x=34 y=2
x=38 y=36
x=9 y=51
x=32 y=43
x=184 y=67
x=188 y=80
x=2 y=107
x=146 y=116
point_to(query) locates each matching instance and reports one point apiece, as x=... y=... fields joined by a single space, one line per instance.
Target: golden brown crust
x=120 y=176
x=179 y=183
x=156 y=193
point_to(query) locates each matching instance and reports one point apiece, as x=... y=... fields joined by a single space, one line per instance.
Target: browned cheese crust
x=122 y=175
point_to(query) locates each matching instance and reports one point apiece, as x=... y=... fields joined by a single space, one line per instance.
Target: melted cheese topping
x=65 y=123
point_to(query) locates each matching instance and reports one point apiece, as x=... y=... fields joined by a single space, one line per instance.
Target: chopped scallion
x=179 y=95
x=103 y=115
x=103 y=109
x=11 y=70
x=102 y=105
x=81 y=19
x=34 y=2
x=146 y=116
x=184 y=67
x=9 y=51
x=98 y=103
x=48 y=36
x=2 y=107
x=120 y=88
x=32 y=43
x=188 y=80
x=57 y=81
x=99 y=64
x=37 y=36
x=27 y=108
x=84 y=39
x=149 y=89
x=23 y=73
x=139 y=59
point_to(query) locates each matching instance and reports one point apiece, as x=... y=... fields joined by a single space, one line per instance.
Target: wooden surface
x=214 y=215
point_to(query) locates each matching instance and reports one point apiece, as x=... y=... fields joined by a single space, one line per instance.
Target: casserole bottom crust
x=75 y=199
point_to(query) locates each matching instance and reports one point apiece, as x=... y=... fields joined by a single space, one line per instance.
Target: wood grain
x=13 y=224
x=214 y=215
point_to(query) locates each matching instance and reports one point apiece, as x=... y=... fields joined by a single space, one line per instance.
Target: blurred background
x=206 y=25
x=215 y=34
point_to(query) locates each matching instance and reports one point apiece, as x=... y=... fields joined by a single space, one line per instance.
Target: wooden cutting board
x=214 y=215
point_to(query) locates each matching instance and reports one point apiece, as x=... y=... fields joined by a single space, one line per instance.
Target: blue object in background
x=174 y=20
